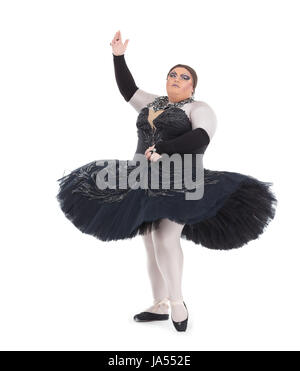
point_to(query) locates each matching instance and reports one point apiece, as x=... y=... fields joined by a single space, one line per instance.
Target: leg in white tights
x=158 y=284
x=165 y=267
x=169 y=257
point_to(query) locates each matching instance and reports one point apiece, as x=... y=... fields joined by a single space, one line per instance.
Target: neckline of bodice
x=168 y=110
x=164 y=102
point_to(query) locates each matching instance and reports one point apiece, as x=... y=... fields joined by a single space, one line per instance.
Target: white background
x=61 y=108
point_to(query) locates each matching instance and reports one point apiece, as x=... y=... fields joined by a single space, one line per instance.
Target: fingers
x=149 y=148
x=116 y=38
x=155 y=157
x=119 y=36
x=147 y=152
x=152 y=156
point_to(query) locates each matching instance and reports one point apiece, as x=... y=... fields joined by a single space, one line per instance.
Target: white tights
x=165 y=268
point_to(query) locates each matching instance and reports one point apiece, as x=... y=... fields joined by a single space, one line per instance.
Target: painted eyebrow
x=181 y=74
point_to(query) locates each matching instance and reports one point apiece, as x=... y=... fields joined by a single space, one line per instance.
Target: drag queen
x=233 y=209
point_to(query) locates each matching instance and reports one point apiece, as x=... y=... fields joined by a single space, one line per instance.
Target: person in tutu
x=220 y=210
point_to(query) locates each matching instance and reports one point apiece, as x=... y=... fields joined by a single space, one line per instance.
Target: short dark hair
x=192 y=72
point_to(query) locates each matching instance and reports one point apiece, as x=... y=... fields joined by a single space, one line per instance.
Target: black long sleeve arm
x=185 y=143
x=125 y=81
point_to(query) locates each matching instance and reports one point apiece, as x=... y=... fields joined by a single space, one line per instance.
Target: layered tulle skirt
x=233 y=210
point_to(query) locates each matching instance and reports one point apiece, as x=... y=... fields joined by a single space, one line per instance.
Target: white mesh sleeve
x=202 y=116
x=140 y=99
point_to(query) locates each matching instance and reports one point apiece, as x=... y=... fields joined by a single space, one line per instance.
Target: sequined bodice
x=169 y=124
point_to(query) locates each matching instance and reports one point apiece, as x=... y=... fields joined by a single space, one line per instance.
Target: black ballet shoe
x=181 y=325
x=149 y=316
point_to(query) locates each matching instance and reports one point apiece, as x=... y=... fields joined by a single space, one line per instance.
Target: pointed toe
x=181 y=325
x=148 y=317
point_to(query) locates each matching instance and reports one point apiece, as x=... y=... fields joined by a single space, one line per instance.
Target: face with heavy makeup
x=179 y=84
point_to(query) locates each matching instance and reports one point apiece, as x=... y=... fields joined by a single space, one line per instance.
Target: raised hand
x=118 y=48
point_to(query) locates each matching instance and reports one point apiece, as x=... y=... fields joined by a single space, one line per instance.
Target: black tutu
x=235 y=208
